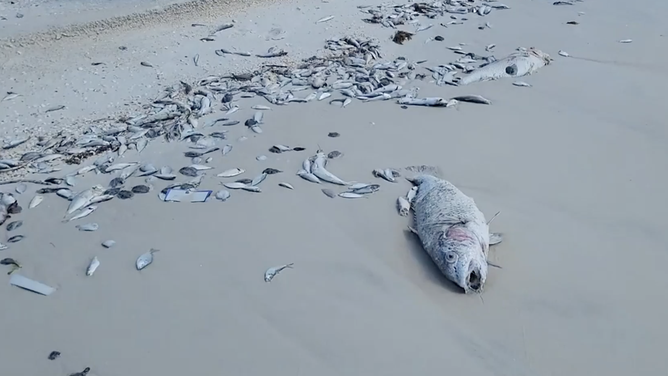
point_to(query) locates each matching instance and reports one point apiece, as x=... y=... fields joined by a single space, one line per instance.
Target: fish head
x=463 y=259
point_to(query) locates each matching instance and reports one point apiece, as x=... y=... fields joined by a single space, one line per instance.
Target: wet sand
x=574 y=163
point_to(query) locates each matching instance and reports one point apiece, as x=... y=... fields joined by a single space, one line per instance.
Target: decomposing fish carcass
x=520 y=63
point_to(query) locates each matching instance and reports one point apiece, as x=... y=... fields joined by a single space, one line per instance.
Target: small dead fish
x=251 y=188
x=145 y=259
x=84 y=213
x=261 y=107
x=324 y=19
x=387 y=174
x=231 y=173
x=564 y=53
x=88 y=227
x=271 y=171
x=479 y=99
x=15 y=239
x=334 y=154
x=145 y=64
x=35 y=201
x=625 y=41
x=258 y=179
x=273 y=272
x=21 y=188
x=235 y=185
x=329 y=193
x=227 y=149
x=92 y=266
x=351 y=195
x=285 y=185
x=521 y=84
x=55 y=108
x=14 y=225
x=108 y=243
x=188 y=171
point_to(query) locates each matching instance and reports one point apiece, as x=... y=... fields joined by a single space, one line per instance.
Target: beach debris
x=334 y=154
x=563 y=3
x=402 y=36
x=145 y=259
x=572 y=23
x=53 y=355
x=30 y=285
x=520 y=63
x=273 y=272
x=333 y=134
x=403 y=206
x=108 y=243
x=145 y=64
x=3 y=246
x=92 y=266
x=88 y=227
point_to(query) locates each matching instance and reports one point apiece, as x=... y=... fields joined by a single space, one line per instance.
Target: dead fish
x=334 y=154
x=285 y=185
x=271 y=171
x=387 y=174
x=188 y=171
x=258 y=179
x=261 y=107
x=479 y=99
x=35 y=201
x=145 y=259
x=272 y=272
x=140 y=189
x=564 y=53
x=235 y=185
x=251 y=188
x=54 y=108
x=16 y=142
x=11 y=226
x=82 y=199
x=84 y=213
x=329 y=193
x=521 y=84
x=231 y=173
x=88 y=227
x=308 y=176
x=625 y=40
x=21 y=188
x=15 y=239
x=92 y=266
x=351 y=195
x=10 y=95
x=365 y=189
x=145 y=64
x=108 y=243
x=227 y=149
x=196 y=60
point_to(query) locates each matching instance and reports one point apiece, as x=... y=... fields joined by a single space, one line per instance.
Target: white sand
x=575 y=163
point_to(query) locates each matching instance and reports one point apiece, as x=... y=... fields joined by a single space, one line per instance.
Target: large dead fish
x=517 y=64
x=453 y=231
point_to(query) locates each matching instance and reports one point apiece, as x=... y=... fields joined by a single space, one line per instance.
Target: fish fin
x=495 y=238
x=413 y=230
x=494 y=265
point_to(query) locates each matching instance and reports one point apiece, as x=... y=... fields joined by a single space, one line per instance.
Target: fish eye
x=451 y=257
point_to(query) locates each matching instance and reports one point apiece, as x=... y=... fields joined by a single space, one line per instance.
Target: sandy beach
x=575 y=163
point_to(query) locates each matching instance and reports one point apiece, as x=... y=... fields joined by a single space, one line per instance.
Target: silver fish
x=145 y=259
x=318 y=169
x=231 y=173
x=92 y=266
x=82 y=199
x=286 y=185
x=308 y=176
x=273 y=272
x=258 y=179
x=108 y=243
x=88 y=227
x=235 y=185
x=84 y=213
x=351 y=195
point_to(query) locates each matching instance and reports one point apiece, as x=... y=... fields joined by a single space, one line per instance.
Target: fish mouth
x=474 y=282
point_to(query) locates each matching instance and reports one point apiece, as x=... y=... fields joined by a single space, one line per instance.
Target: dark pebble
x=334 y=154
x=333 y=134
x=54 y=355
x=188 y=171
x=439 y=38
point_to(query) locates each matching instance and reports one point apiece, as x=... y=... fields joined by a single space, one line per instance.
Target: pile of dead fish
x=391 y=16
